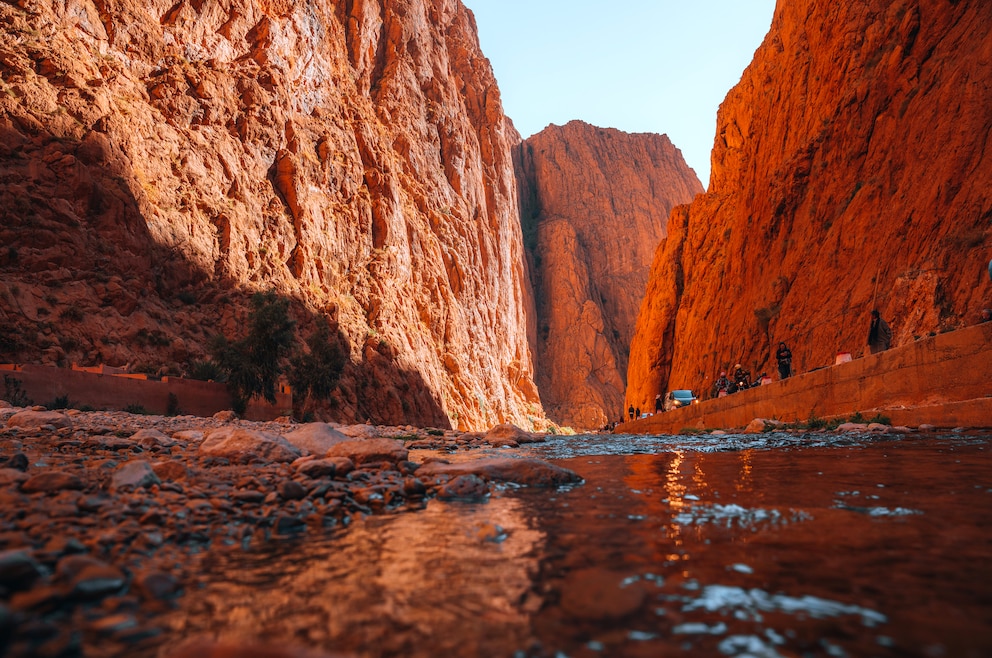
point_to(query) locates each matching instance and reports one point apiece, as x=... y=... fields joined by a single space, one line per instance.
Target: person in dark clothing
x=658 y=404
x=721 y=387
x=879 y=334
x=742 y=378
x=637 y=412
x=784 y=357
x=630 y=412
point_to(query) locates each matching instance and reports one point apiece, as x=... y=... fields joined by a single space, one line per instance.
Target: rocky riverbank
x=104 y=514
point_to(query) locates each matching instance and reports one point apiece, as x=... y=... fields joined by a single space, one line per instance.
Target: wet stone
x=291 y=490
x=156 y=585
x=414 y=487
x=600 y=595
x=288 y=525
x=39 y=600
x=468 y=487
x=9 y=476
x=248 y=496
x=18 y=569
x=316 y=468
x=18 y=461
x=51 y=480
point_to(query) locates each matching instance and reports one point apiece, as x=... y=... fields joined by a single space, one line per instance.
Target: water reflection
x=454 y=579
x=792 y=547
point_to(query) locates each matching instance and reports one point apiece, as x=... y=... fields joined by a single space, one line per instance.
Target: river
x=738 y=545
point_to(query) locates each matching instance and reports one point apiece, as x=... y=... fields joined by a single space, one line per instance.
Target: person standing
x=784 y=357
x=630 y=412
x=879 y=334
x=657 y=404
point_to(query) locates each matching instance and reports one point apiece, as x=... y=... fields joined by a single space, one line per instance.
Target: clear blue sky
x=659 y=66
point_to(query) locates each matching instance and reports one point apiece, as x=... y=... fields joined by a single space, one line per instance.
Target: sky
x=658 y=66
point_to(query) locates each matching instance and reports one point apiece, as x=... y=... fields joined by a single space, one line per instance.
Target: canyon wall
x=160 y=161
x=851 y=171
x=594 y=205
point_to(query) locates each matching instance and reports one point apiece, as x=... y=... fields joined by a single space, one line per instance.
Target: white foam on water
x=747 y=646
x=698 y=628
x=735 y=515
x=722 y=598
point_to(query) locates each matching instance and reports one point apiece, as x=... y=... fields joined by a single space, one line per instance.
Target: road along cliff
x=594 y=205
x=850 y=171
x=160 y=161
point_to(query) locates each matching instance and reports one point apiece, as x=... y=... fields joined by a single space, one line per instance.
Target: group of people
x=879 y=340
x=741 y=380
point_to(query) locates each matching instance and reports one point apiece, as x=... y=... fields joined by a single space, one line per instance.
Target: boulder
x=237 y=443
x=18 y=569
x=50 y=481
x=370 y=450
x=469 y=487
x=852 y=427
x=315 y=438
x=35 y=419
x=135 y=474
x=152 y=438
x=188 y=436
x=508 y=434
x=526 y=471
x=12 y=476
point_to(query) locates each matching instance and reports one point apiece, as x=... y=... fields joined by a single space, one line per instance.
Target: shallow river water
x=766 y=545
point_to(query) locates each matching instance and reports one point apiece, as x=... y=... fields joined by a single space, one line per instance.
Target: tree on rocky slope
x=314 y=374
x=253 y=363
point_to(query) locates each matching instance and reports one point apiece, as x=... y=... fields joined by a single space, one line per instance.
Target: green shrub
x=205 y=371
x=314 y=374
x=137 y=409
x=251 y=364
x=172 y=406
x=13 y=393
x=61 y=402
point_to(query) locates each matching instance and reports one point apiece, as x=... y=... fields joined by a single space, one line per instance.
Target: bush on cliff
x=315 y=373
x=252 y=364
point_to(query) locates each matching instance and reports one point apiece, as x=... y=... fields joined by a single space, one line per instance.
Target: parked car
x=679 y=398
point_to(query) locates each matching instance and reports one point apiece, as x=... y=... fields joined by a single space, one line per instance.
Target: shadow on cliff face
x=383 y=392
x=83 y=280
x=80 y=274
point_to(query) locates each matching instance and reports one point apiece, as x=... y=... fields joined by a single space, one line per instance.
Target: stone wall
x=944 y=380
x=43 y=384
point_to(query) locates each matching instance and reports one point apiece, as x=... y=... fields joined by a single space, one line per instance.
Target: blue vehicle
x=679 y=398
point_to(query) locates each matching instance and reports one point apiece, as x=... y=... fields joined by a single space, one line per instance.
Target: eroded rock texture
x=594 y=204
x=160 y=160
x=851 y=170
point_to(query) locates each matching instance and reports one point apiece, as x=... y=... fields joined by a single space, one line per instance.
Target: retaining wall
x=943 y=380
x=105 y=391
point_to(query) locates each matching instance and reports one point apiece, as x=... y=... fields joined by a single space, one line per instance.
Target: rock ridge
x=594 y=205
x=846 y=176
x=159 y=162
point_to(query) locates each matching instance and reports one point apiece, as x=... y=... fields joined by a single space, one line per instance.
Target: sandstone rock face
x=160 y=161
x=594 y=205
x=850 y=171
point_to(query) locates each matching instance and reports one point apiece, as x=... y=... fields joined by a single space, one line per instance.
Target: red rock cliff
x=594 y=204
x=851 y=170
x=160 y=159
